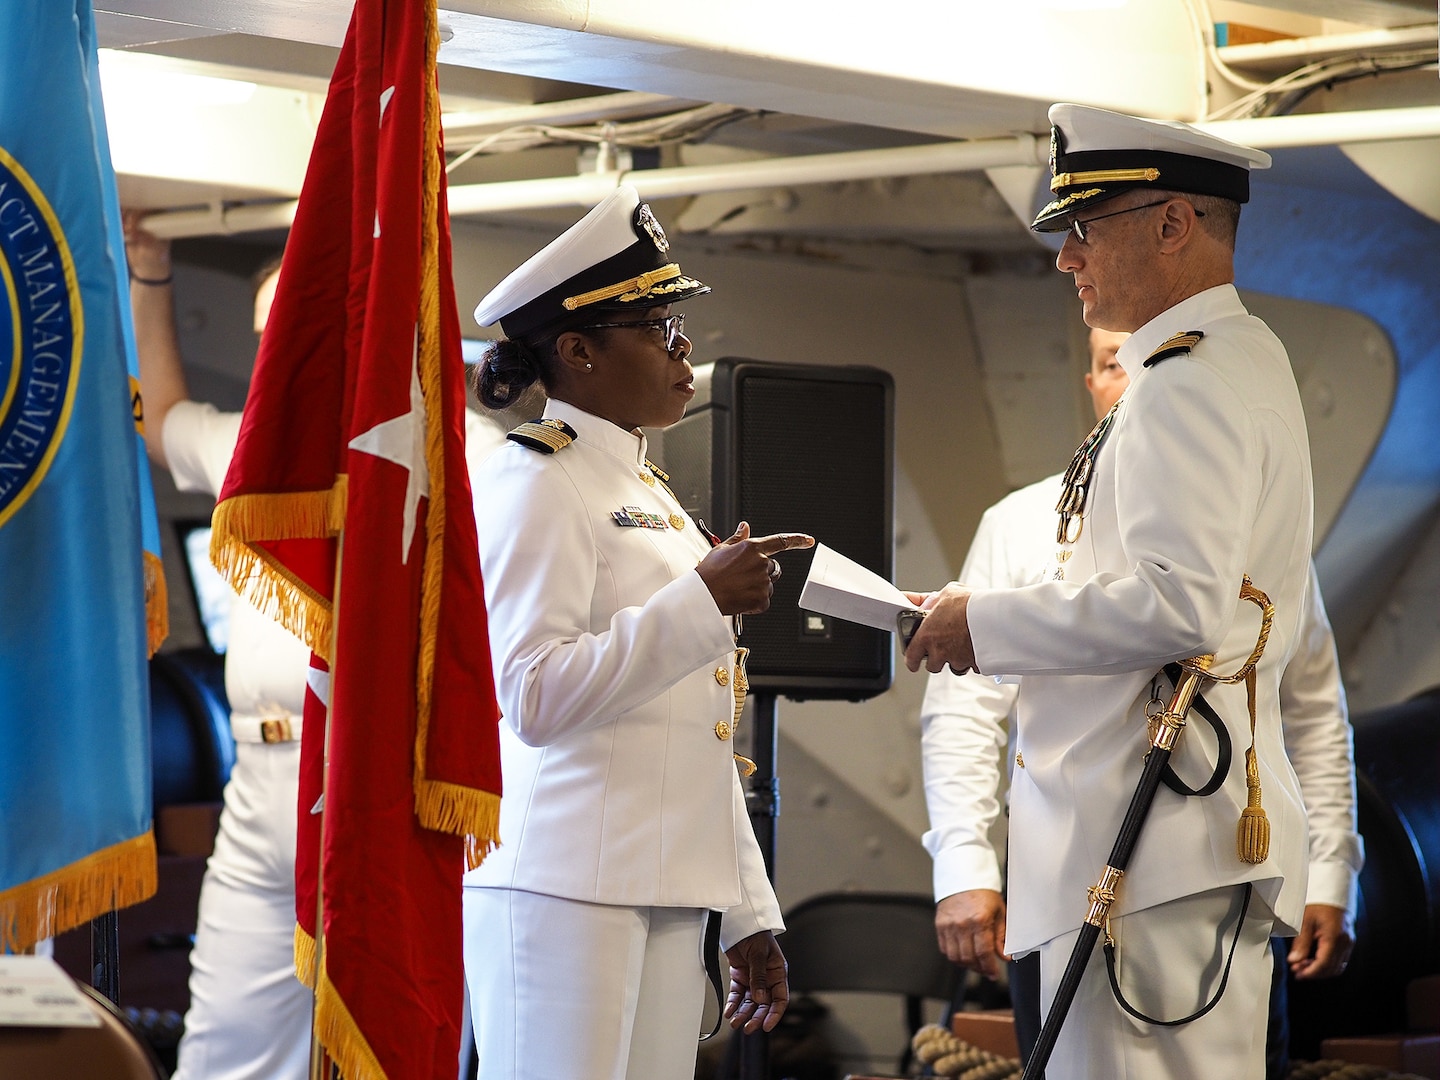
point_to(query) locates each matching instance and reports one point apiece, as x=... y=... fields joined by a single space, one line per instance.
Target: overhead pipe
x=1290 y=52
x=1269 y=132
x=1329 y=129
x=684 y=180
x=589 y=188
x=464 y=127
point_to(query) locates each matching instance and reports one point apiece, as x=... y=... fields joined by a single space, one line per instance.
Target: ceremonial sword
x=1164 y=737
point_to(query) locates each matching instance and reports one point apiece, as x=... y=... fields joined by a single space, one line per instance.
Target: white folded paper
x=843 y=588
x=36 y=992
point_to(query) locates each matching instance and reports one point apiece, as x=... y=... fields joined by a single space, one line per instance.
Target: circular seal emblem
x=41 y=330
x=645 y=219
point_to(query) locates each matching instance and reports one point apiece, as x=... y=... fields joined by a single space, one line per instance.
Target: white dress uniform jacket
x=249 y=1017
x=1205 y=477
x=265 y=664
x=613 y=668
x=965 y=718
x=967 y=721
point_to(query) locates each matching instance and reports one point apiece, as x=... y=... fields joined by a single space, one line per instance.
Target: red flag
x=347 y=513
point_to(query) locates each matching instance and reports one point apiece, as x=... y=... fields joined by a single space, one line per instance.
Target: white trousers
x=561 y=989
x=249 y=1017
x=1169 y=960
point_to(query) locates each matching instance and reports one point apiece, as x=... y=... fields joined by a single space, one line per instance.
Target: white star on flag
x=318 y=681
x=402 y=440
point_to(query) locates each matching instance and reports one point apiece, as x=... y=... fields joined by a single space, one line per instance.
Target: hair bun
x=507 y=368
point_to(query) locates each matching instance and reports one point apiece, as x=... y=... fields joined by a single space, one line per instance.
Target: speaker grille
x=684 y=451
x=812 y=454
x=795 y=448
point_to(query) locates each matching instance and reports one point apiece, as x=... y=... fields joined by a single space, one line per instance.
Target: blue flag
x=75 y=796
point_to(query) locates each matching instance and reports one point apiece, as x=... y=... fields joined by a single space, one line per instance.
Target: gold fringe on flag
x=157 y=604
x=456 y=809
x=441 y=806
x=255 y=575
x=476 y=848
x=111 y=878
x=341 y=1036
x=304 y=957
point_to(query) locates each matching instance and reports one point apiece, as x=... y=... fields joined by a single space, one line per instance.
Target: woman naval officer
x=623 y=820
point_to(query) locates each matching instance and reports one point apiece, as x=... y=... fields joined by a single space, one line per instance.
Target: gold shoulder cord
x=662 y=478
x=740 y=686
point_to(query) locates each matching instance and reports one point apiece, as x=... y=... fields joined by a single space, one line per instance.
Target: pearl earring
x=589 y=367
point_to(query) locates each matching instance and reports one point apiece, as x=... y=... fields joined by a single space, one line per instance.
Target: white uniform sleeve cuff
x=1333 y=884
x=964 y=868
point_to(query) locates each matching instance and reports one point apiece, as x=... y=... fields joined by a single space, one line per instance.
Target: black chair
x=191 y=747
x=869 y=942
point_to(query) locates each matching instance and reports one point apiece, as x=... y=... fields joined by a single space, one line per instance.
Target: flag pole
x=105 y=955
x=321 y=1068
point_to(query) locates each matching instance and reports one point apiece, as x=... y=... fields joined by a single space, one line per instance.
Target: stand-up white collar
x=628 y=446
x=1192 y=313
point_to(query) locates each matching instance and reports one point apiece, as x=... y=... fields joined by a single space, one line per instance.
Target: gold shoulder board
x=544 y=436
x=1179 y=345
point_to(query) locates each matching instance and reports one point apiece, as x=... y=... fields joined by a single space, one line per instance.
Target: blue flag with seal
x=75 y=789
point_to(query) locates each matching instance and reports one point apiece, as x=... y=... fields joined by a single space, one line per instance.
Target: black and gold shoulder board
x=659 y=473
x=545 y=436
x=1179 y=345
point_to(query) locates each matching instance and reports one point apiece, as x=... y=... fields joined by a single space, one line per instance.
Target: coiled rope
x=948 y=1055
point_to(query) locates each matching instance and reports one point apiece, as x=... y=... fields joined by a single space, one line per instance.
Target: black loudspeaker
x=795 y=448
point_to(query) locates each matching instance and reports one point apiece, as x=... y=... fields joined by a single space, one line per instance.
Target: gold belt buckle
x=276 y=731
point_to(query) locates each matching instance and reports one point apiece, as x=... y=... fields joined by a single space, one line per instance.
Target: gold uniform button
x=649 y=480
x=722 y=676
x=1019 y=761
x=676 y=521
x=723 y=730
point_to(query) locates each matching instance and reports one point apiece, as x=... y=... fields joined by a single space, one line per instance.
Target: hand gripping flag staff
x=347 y=514
x=1252 y=831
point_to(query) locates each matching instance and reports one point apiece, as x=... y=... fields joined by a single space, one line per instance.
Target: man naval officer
x=965 y=720
x=1199 y=477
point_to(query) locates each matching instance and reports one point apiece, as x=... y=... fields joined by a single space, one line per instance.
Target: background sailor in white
x=1204 y=478
x=965 y=720
x=249 y=1016
x=623 y=819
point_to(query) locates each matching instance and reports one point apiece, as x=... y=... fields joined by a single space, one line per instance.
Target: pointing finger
x=777 y=542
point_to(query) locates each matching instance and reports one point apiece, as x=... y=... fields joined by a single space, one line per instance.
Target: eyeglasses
x=671 y=325
x=1077 y=227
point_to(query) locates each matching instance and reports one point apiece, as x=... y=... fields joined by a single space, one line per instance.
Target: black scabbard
x=1129 y=836
x=1166 y=729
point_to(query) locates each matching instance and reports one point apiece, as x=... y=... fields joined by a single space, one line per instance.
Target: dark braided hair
x=505 y=371
x=512 y=365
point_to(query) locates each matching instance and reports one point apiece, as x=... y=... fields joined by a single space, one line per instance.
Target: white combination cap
x=1096 y=154
x=613 y=258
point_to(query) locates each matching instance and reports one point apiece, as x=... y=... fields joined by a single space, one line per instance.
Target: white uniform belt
x=265 y=729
